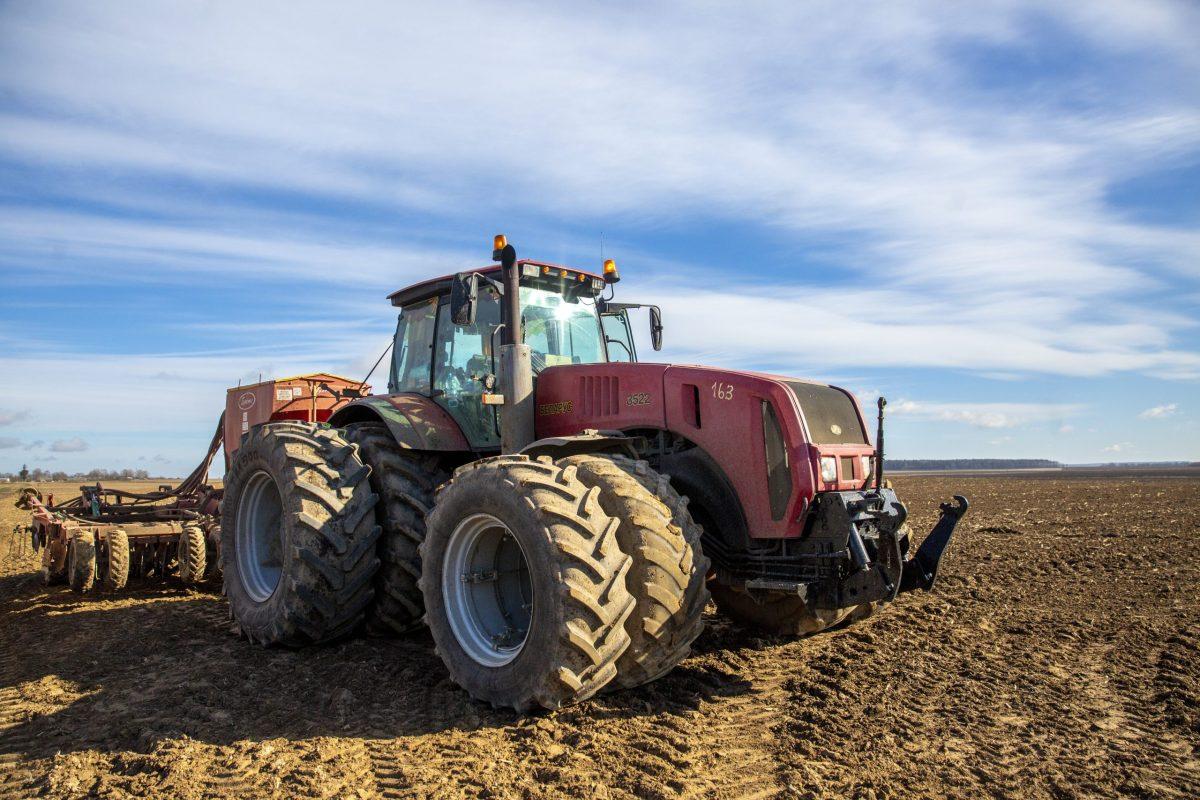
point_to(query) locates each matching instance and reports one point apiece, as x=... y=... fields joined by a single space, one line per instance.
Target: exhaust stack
x=516 y=361
x=879 y=447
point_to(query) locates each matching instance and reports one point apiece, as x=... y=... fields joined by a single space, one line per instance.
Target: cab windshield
x=560 y=331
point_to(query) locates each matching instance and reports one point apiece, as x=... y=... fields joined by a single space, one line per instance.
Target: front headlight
x=866 y=467
x=829 y=469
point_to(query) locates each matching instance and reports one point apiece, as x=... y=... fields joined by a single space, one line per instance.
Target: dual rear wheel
x=541 y=583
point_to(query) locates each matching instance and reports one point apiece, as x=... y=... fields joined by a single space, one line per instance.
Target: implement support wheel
x=192 y=555
x=81 y=562
x=116 y=566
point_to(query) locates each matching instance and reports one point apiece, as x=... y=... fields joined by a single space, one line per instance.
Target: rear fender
x=612 y=442
x=415 y=421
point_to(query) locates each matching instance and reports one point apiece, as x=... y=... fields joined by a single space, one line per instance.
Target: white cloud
x=986 y=415
x=72 y=445
x=983 y=224
x=940 y=224
x=11 y=417
x=1160 y=412
x=798 y=326
x=1119 y=447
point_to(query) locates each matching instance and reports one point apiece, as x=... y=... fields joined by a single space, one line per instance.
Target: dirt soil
x=1059 y=656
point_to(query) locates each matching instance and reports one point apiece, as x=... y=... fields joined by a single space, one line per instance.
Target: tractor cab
x=455 y=362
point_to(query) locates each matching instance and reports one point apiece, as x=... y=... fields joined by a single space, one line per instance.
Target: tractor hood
x=619 y=396
x=744 y=420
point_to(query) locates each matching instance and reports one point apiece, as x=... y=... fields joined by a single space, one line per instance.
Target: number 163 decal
x=722 y=391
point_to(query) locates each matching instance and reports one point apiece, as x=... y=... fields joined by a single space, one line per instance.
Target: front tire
x=782 y=614
x=774 y=613
x=298 y=535
x=524 y=584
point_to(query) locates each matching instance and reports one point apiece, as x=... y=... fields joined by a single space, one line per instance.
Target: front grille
x=847 y=468
x=598 y=395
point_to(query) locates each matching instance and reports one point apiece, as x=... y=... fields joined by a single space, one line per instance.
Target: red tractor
x=556 y=511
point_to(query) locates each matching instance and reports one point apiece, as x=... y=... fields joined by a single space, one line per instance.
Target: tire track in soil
x=1055 y=593
x=709 y=728
x=385 y=768
x=16 y=774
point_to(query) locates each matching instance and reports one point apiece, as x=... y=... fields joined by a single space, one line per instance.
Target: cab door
x=618 y=337
x=462 y=357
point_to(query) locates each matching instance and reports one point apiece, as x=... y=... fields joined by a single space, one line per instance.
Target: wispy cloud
x=885 y=191
x=12 y=417
x=1160 y=412
x=987 y=415
x=72 y=445
x=8 y=443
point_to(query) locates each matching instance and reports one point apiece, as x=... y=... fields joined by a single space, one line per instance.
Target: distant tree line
x=917 y=464
x=39 y=474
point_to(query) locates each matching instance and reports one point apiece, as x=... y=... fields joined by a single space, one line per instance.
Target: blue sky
x=988 y=212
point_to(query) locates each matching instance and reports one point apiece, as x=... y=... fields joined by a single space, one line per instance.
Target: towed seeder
x=104 y=537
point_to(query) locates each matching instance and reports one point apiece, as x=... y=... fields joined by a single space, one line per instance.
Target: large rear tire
x=405 y=481
x=298 y=535
x=192 y=554
x=116 y=568
x=669 y=569
x=81 y=562
x=524 y=584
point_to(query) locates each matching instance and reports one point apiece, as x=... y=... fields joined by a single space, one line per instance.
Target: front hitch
x=921 y=570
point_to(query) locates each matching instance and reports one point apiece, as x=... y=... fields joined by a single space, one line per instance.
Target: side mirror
x=656 y=327
x=464 y=291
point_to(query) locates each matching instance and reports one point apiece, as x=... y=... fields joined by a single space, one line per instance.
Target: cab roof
x=436 y=286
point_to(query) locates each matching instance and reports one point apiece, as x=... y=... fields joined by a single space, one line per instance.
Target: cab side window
x=413 y=352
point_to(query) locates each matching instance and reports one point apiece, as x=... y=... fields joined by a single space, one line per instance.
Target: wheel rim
x=487 y=590
x=259 y=536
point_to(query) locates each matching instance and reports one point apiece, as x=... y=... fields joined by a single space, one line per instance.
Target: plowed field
x=1059 y=656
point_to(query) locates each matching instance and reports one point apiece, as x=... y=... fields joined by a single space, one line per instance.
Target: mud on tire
x=303 y=571
x=192 y=554
x=667 y=578
x=575 y=573
x=81 y=562
x=405 y=481
x=116 y=563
